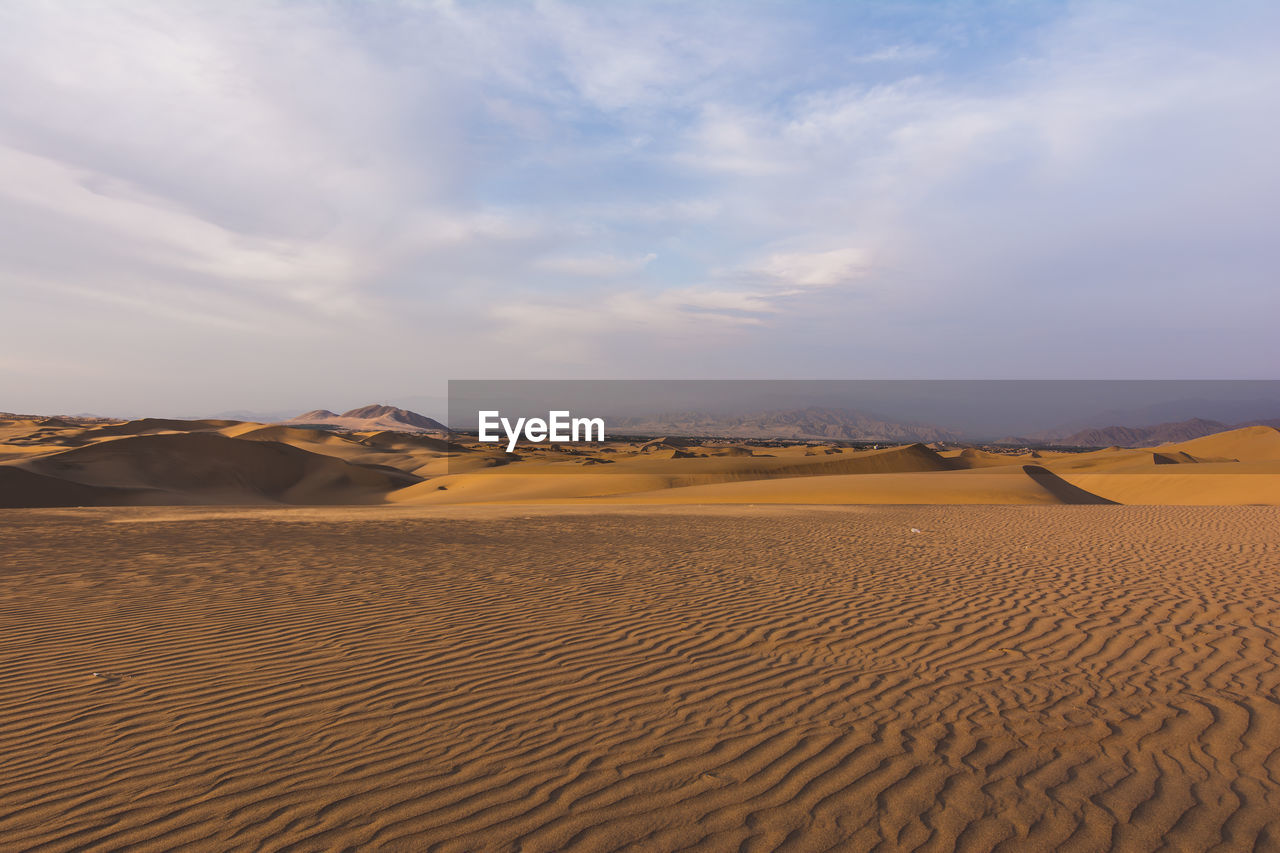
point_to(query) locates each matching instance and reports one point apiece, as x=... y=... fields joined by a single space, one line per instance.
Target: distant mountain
x=264 y=417
x=394 y=415
x=58 y=420
x=811 y=423
x=317 y=415
x=376 y=417
x=1150 y=436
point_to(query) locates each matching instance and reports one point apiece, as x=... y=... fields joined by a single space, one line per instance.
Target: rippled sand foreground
x=1013 y=678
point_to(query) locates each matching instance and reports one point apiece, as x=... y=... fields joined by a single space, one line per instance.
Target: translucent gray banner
x=502 y=421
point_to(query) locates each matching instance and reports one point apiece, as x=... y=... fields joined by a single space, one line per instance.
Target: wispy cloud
x=332 y=190
x=593 y=266
x=798 y=270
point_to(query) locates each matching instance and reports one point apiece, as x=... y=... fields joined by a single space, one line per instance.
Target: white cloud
x=815 y=269
x=739 y=142
x=601 y=265
x=571 y=335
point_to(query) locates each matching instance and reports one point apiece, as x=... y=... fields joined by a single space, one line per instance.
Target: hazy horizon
x=214 y=207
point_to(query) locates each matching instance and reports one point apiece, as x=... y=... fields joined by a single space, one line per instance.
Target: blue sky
x=213 y=205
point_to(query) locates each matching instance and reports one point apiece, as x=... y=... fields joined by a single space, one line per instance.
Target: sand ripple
x=1009 y=678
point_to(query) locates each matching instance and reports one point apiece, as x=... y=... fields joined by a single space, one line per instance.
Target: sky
x=280 y=206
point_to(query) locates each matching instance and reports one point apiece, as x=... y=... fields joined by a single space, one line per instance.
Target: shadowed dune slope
x=197 y=468
x=1062 y=490
x=1036 y=679
x=22 y=488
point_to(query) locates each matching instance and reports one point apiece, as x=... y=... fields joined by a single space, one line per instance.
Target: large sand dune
x=1055 y=678
x=209 y=468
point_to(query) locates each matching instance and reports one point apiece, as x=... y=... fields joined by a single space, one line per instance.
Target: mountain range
x=814 y=423
x=1145 y=436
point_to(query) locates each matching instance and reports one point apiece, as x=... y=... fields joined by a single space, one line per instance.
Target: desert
x=348 y=460
x=523 y=426
x=225 y=635
x=645 y=678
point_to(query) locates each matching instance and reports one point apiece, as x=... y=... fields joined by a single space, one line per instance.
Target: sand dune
x=671 y=478
x=971 y=457
x=1239 y=467
x=183 y=466
x=1173 y=457
x=58 y=433
x=340 y=446
x=1016 y=485
x=148 y=426
x=531 y=488
x=1007 y=678
x=211 y=468
x=409 y=452
x=1110 y=460
x=388 y=440
x=1199 y=485
x=1249 y=444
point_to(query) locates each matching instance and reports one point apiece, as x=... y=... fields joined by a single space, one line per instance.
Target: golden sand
x=1030 y=678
